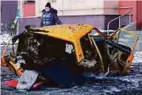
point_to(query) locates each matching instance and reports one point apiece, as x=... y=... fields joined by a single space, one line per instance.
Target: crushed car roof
x=69 y=32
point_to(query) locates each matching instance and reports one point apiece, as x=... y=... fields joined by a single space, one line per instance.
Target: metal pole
x=130 y=18
x=116 y=19
x=119 y=22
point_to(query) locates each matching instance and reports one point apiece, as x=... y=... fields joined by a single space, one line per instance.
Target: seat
x=119 y=46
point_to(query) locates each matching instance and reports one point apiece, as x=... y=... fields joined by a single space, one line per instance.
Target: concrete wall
x=79 y=7
x=111 y=7
x=73 y=7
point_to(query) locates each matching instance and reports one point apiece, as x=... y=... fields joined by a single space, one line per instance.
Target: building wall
x=72 y=7
x=136 y=10
x=95 y=12
x=111 y=7
x=8 y=12
x=75 y=7
x=126 y=5
x=139 y=14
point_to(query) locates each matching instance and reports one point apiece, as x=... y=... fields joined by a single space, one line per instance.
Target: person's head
x=47 y=7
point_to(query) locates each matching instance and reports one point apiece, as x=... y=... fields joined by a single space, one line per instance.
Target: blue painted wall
x=8 y=11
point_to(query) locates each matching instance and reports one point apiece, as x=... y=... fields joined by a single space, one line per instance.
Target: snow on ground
x=137 y=57
x=4 y=38
x=111 y=85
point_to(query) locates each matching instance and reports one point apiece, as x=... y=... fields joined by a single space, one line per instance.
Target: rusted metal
x=72 y=48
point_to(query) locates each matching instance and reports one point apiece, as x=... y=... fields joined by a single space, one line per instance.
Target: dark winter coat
x=50 y=18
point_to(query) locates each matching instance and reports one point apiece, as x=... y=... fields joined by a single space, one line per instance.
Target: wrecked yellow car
x=62 y=53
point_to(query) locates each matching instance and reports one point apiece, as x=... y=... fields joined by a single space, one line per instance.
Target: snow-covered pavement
x=111 y=85
x=4 y=38
x=137 y=57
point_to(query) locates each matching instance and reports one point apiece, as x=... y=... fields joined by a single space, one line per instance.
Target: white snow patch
x=114 y=89
x=137 y=57
x=4 y=38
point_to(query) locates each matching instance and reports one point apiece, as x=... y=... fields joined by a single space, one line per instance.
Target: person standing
x=49 y=16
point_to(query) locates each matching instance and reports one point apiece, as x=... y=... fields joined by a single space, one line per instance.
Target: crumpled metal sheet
x=27 y=79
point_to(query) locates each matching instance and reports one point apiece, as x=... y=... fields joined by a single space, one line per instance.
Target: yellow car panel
x=69 y=32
